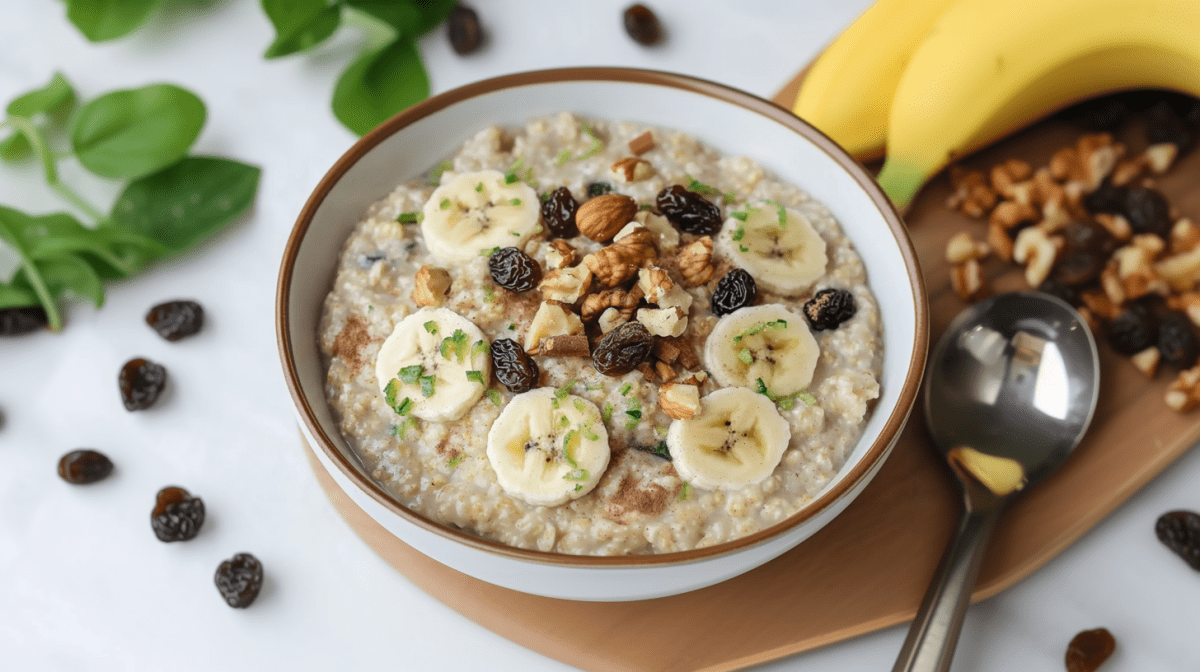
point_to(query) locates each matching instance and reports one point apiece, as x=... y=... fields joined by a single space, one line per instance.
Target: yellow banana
x=990 y=67
x=848 y=90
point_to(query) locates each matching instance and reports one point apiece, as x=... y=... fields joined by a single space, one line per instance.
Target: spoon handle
x=934 y=632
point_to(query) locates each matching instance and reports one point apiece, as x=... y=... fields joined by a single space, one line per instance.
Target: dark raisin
x=659 y=449
x=599 y=189
x=1105 y=113
x=177 y=515
x=463 y=28
x=622 y=349
x=1177 y=342
x=1060 y=289
x=735 y=290
x=513 y=368
x=1089 y=649
x=1134 y=330
x=175 y=319
x=558 y=212
x=22 y=320
x=1180 y=531
x=1163 y=124
x=141 y=382
x=84 y=466
x=1148 y=212
x=1106 y=198
x=688 y=211
x=1087 y=247
x=514 y=270
x=829 y=308
x=642 y=25
x=239 y=579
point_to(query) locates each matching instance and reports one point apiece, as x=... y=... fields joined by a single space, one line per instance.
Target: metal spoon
x=1010 y=391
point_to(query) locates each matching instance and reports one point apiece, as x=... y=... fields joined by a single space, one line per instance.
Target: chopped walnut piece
x=661 y=290
x=559 y=254
x=696 y=378
x=1036 y=252
x=968 y=281
x=663 y=321
x=1010 y=214
x=1188 y=303
x=664 y=371
x=564 y=345
x=1005 y=175
x=616 y=263
x=566 y=284
x=999 y=241
x=687 y=356
x=551 y=319
x=1159 y=157
x=695 y=262
x=666 y=348
x=668 y=235
x=679 y=401
x=431 y=286
x=648 y=372
x=610 y=319
x=1117 y=225
x=1098 y=304
x=1185 y=236
x=962 y=247
x=1134 y=264
x=972 y=196
x=642 y=143
x=1128 y=170
x=1091 y=160
x=1180 y=270
x=1146 y=361
x=1111 y=284
x=1183 y=394
x=633 y=169
x=624 y=301
x=1056 y=214
x=1044 y=189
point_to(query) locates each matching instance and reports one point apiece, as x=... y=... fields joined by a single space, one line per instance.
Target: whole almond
x=602 y=217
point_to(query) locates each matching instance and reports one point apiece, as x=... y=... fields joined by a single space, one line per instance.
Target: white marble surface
x=83 y=582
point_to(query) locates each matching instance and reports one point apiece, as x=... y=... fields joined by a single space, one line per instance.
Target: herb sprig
x=171 y=202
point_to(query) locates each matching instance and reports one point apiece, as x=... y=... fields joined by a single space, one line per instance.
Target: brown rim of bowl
x=878 y=450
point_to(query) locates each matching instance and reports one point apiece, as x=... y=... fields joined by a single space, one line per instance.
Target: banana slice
x=736 y=440
x=768 y=343
x=478 y=211
x=776 y=245
x=548 y=447
x=435 y=365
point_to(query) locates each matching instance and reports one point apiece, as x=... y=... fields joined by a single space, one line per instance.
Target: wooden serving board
x=869 y=568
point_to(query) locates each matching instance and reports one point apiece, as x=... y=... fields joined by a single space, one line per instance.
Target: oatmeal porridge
x=600 y=338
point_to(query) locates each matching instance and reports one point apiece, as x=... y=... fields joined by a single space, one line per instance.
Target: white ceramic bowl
x=732 y=121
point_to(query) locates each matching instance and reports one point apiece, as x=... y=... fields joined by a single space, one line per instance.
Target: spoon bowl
x=1010 y=391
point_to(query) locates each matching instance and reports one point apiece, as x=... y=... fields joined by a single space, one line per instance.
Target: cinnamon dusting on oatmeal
x=650 y=501
x=350 y=341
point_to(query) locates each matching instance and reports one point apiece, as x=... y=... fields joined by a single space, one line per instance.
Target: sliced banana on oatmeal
x=768 y=343
x=478 y=211
x=735 y=440
x=776 y=245
x=434 y=365
x=548 y=447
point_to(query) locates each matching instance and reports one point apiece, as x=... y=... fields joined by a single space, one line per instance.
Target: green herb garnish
x=745 y=357
x=435 y=175
x=759 y=328
x=659 y=449
x=700 y=187
x=476 y=376
x=454 y=461
x=739 y=215
x=410 y=217
x=480 y=348
x=479 y=187
x=728 y=198
x=806 y=397
x=409 y=423
x=590 y=434
x=445 y=203
x=488 y=294
x=738 y=234
x=606 y=412
x=743 y=248
x=410 y=374
x=562 y=392
x=427 y=383
x=515 y=201
x=487 y=252
x=512 y=327
x=563 y=157
x=579 y=406
x=563 y=422
x=684 y=490
x=431 y=327
x=493 y=395
x=625 y=389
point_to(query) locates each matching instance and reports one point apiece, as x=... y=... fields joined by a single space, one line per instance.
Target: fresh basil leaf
x=116 y=254
x=101 y=20
x=410 y=18
x=13 y=223
x=188 y=202
x=68 y=272
x=135 y=132
x=55 y=100
x=300 y=24
x=379 y=84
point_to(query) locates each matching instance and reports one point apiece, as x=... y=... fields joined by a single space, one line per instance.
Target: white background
x=83 y=582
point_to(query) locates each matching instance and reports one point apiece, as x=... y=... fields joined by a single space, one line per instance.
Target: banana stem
x=901 y=182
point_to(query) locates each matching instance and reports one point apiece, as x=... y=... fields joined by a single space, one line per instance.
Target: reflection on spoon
x=1001 y=475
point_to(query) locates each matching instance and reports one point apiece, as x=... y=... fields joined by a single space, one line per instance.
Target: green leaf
x=410 y=19
x=54 y=100
x=119 y=254
x=187 y=203
x=17 y=294
x=300 y=24
x=69 y=272
x=101 y=20
x=379 y=84
x=12 y=226
x=132 y=133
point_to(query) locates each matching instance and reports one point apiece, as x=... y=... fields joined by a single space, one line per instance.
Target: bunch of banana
x=985 y=68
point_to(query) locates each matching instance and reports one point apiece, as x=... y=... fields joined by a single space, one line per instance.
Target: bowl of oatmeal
x=600 y=334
